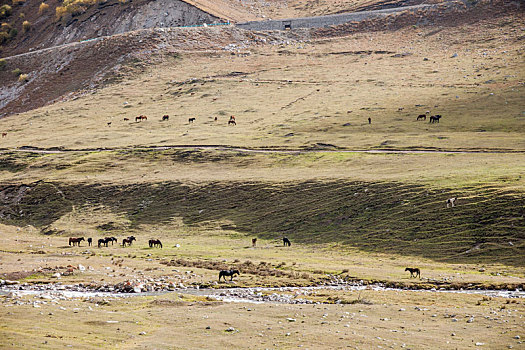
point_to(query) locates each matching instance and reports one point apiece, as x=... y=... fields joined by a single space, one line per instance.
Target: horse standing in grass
x=451 y=202
x=254 y=242
x=73 y=240
x=90 y=241
x=414 y=272
x=165 y=117
x=155 y=243
x=128 y=241
x=286 y=242
x=103 y=242
x=435 y=119
x=111 y=239
x=230 y=273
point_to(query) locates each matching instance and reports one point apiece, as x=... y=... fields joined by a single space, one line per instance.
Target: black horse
x=90 y=241
x=422 y=116
x=435 y=119
x=286 y=242
x=414 y=272
x=103 y=242
x=230 y=273
x=128 y=241
x=111 y=239
x=153 y=243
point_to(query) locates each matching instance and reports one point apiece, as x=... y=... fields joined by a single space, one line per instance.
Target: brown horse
x=73 y=240
x=254 y=242
x=141 y=118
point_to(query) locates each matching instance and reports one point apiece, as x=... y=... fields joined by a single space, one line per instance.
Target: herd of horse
x=156 y=243
x=104 y=242
x=166 y=117
x=433 y=118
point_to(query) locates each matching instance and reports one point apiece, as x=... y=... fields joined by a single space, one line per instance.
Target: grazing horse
x=73 y=240
x=286 y=242
x=230 y=273
x=414 y=272
x=4 y=134
x=232 y=122
x=103 y=242
x=422 y=116
x=111 y=239
x=165 y=117
x=128 y=241
x=126 y=119
x=254 y=242
x=435 y=119
x=109 y=123
x=141 y=118
x=154 y=243
x=90 y=241
x=191 y=120
x=451 y=202
x=369 y=120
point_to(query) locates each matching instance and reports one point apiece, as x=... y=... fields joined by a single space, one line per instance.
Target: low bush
x=26 y=26
x=43 y=8
x=16 y=71
x=23 y=77
x=3 y=62
x=5 y=11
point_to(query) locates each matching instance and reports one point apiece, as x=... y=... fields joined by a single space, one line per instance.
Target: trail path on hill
x=262 y=150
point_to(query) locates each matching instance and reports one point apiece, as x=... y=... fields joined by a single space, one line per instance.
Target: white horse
x=451 y=202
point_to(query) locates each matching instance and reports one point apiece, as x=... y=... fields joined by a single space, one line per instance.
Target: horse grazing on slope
x=414 y=272
x=286 y=242
x=165 y=117
x=73 y=240
x=230 y=273
x=154 y=243
x=435 y=119
x=422 y=116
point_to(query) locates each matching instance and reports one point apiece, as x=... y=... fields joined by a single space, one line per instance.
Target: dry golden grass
x=301 y=94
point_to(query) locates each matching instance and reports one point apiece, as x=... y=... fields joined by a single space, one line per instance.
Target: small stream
x=281 y=295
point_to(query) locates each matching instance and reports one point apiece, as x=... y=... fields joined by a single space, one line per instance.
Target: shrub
x=6 y=27
x=74 y=7
x=12 y=33
x=5 y=11
x=16 y=71
x=3 y=62
x=23 y=77
x=43 y=7
x=26 y=26
x=21 y=15
x=4 y=37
